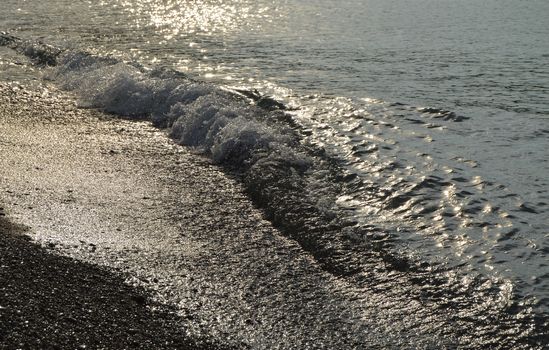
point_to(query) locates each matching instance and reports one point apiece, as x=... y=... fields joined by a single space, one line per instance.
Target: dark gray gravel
x=53 y=302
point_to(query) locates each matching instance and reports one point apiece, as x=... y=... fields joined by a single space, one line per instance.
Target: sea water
x=420 y=127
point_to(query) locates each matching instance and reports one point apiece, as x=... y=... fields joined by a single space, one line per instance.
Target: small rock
x=139 y=299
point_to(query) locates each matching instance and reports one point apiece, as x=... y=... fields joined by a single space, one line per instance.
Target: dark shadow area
x=53 y=302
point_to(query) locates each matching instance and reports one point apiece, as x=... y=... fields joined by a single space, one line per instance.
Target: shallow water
x=458 y=186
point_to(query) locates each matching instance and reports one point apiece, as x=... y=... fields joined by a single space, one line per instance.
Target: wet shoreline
x=121 y=195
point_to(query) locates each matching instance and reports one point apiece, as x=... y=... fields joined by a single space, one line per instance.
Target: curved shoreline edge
x=121 y=195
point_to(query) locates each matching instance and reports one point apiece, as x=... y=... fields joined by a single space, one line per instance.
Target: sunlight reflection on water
x=475 y=189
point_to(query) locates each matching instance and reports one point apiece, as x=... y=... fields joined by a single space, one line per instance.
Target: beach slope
x=53 y=302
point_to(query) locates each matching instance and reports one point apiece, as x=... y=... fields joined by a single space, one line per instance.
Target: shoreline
x=120 y=195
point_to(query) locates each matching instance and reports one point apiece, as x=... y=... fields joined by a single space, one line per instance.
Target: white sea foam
x=200 y=115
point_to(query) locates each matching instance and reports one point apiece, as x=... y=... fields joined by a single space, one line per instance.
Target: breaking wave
x=295 y=184
x=252 y=136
